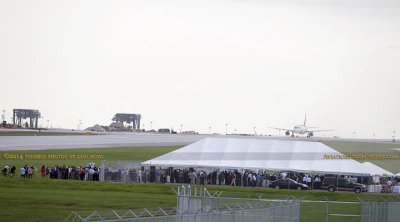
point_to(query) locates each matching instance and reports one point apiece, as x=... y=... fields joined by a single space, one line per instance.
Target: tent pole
x=337 y=181
x=241 y=182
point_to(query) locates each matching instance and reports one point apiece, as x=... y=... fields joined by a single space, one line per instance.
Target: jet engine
x=287 y=133
x=310 y=134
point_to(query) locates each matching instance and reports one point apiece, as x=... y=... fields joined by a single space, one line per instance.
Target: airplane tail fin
x=305 y=119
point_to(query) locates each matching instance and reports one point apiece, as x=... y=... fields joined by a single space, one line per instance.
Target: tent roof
x=374 y=170
x=246 y=153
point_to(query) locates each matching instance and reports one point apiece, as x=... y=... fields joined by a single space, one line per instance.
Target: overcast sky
x=205 y=63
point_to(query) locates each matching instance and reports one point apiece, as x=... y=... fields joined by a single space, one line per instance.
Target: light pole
x=47 y=124
x=151 y=125
x=4 y=115
x=255 y=133
x=235 y=131
x=374 y=136
x=354 y=135
x=209 y=130
x=226 y=128
x=79 y=124
x=394 y=136
x=42 y=126
x=181 y=127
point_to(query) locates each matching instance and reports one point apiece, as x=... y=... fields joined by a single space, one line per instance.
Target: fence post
x=327 y=209
x=102 y=170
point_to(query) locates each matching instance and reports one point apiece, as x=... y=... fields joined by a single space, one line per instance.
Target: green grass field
x=53 y=200
x=109 y=154
x=364 y=147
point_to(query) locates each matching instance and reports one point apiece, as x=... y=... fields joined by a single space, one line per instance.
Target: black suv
x=332 y=184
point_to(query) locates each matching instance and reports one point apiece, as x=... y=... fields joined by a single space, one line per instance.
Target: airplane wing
x=320 y=130
x=283 y=129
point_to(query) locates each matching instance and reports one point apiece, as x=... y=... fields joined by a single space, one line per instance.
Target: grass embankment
x=53 y=200
x=81 y=156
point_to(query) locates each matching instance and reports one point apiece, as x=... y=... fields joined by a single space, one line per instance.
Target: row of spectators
x=226 y=177
x=90 y=173
x=201 y=177
x=170 y=175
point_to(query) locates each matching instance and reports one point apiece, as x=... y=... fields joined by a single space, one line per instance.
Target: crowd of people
x=246 y=178
x=201 y=177
x=90 y=172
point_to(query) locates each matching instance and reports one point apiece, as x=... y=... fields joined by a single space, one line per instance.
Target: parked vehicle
x=343 y=184
x=288 y=184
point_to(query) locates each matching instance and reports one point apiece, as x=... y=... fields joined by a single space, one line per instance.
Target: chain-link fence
x=122 y=171
x=199 y=205
x=380 y=210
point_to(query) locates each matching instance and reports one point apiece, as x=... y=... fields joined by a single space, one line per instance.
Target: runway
x=8 y=143
x=93 y=141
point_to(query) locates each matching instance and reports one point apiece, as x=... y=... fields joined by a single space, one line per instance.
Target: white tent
x=253 y=153
x=374 y=170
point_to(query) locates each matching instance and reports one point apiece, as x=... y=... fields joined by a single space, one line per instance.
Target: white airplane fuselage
x=300 y=129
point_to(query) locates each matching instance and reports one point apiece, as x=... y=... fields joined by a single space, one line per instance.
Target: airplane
x=300 y=129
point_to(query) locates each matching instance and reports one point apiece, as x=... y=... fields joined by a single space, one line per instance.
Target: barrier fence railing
x=198 y=205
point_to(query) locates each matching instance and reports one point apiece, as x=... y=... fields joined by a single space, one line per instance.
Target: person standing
x=90 y=172
x=30 y=172
x=202 y=177
x=12 y=171
x=23 y=171
x=140 y=176
x=5 y=170
x=309 y=182
x=258 y=180
x=192 y=178
x=43 y=171
x=233 y=182
x=158 y=176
